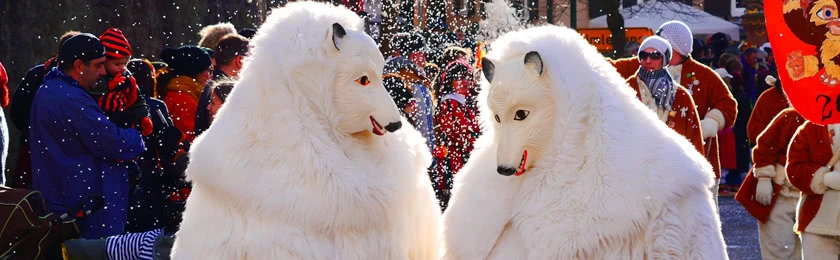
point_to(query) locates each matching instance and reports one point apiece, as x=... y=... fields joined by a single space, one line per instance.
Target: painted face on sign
x=796 y=64
x=816 y=23
x=805 y=36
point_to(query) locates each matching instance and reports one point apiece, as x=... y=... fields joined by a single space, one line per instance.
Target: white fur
x=290 y=169
x=610 y=181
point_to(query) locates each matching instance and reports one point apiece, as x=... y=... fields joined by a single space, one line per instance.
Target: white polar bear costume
x=291 y=167
x=601 y=176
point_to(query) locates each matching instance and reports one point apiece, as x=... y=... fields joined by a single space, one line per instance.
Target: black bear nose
x=392 y=127
x=506 y=171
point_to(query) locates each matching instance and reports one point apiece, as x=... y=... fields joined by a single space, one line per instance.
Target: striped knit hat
x=116 y=45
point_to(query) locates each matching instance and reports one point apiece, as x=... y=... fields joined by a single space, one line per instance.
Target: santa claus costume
x=767 y=195
x=810 y=170
x=715 y=105
x=771 y=102
x=671 y=102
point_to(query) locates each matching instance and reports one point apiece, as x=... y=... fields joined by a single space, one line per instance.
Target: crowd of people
x=728 y=101
x=439 y=100
x=97 y=122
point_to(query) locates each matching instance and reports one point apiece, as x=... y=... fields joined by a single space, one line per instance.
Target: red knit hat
x=116 y=45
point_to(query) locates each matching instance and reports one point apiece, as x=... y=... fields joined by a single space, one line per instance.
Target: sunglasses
x=653 y=55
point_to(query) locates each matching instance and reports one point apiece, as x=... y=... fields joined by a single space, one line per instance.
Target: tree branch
x=659 y=7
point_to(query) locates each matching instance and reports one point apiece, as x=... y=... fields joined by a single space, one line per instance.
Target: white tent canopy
x=652 y=14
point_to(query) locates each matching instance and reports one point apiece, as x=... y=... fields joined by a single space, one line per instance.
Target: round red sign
x=805 y=37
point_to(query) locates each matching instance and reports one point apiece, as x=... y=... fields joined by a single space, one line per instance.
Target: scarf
x=187 y=85
x=661 y=87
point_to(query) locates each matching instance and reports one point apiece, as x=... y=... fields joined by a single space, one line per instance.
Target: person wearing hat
x=656 y=89
x=79 y=151
x=810 y=169
x=190 y=69
x=19 y=110
x=766 y=192
x=117 y=92
x=716 y=106
x=456 y=121
x=118 y=95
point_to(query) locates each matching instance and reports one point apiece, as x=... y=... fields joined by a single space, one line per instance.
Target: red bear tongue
x=524 y=162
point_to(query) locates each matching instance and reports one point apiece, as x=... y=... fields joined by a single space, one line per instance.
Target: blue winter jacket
x=75 y=153
x=424 y=117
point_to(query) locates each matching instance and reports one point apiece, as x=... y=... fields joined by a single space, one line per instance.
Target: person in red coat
x=771 y=102
x=809 y=170
x=190 y=69
x=455 y=124
x=656 y=89
x=766 y=193
x=716 y=107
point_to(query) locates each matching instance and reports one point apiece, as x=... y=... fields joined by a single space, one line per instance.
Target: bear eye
x=826 y=13
x=497 y=119
x=363 y=81
x=521 y=115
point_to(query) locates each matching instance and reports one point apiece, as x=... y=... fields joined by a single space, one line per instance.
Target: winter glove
x=145 y=126
x=764 y=191
x=832 y=180
x=113 y=102
x=440 y=151
x=116 y=81
x=122 y=93
x=709 y=127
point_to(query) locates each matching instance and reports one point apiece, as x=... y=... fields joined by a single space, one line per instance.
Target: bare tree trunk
x=616 y=24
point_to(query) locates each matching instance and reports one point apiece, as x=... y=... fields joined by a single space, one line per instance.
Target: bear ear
x=534 y=61
x=338 y=33
x=488 y=68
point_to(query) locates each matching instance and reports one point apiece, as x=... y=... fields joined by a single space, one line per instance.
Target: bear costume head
x=322 y=64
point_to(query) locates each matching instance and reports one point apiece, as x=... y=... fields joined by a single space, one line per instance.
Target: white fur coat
x=273 y=177
x=613 y=183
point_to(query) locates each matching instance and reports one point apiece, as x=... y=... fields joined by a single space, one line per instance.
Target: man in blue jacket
x=76 y=150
